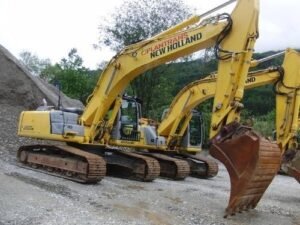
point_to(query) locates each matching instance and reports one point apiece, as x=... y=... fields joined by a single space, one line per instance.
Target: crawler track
x=170 y=167
x=131 y=165
x=63 y=161
x=201 y=166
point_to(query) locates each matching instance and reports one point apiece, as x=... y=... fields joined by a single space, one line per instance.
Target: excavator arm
x=287 y=90
x=136 y=59
x=232 y=35
x=199 y=91
x=287 y=113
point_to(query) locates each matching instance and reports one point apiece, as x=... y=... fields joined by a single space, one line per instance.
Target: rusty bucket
x=251 y=161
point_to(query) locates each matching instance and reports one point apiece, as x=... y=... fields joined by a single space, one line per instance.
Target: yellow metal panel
x=292 y=70
x=232 y=72
x=36 y=124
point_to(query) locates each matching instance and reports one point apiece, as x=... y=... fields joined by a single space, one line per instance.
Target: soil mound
x=20 y=88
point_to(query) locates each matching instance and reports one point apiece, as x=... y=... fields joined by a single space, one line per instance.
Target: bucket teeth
x=251 y=161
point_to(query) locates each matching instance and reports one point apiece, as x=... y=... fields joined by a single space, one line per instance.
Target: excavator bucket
x=251 y=161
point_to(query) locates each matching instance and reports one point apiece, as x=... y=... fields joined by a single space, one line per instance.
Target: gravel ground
x=29 y=197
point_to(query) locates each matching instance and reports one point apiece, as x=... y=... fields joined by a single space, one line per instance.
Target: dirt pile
x=20 y=88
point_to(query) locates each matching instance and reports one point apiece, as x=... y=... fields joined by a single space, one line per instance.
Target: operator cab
x=129 y=119
x=126 y=127
x=196 y=129
x=194 y=134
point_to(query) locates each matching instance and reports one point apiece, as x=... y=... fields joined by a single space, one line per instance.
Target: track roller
x=131 y=165
x=200 y=166
x=63 y=161
x=170 y=167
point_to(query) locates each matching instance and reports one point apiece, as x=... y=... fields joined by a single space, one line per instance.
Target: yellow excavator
x=92 y=132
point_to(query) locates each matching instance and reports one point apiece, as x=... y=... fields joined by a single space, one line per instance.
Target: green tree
x=134 y=21
x=33 y=63
x=75 y=80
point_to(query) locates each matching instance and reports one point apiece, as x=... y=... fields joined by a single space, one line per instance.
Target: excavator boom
x=287 y=112
x=199 y=91
x=236 y=32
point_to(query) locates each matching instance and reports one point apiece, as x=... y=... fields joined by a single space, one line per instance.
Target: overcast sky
x=50 y=28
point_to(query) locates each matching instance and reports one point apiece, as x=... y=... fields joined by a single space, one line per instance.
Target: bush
x=265 y=124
